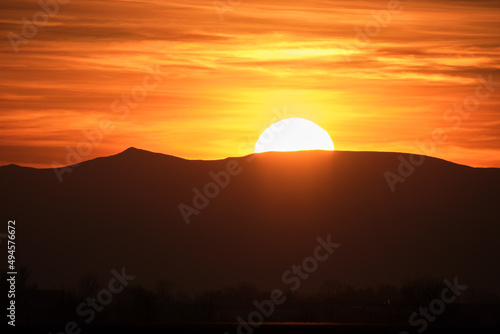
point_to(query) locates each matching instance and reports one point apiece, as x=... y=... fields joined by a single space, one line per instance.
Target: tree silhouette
x=421 y=291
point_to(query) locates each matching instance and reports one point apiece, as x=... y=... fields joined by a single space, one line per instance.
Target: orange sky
x=224 y=81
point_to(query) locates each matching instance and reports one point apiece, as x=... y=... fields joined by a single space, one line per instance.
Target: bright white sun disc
x=294 y=134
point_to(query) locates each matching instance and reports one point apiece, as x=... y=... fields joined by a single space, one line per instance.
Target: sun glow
x=294 y=134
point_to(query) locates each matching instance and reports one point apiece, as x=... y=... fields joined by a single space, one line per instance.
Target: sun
x=294 y=134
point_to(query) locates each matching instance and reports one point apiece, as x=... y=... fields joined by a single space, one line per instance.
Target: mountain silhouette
x=135 y=210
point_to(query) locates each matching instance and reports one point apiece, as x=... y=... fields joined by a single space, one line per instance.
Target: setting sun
x=294 y=134
x=234 y=166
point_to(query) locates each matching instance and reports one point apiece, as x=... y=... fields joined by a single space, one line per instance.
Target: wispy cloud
x=230 y=74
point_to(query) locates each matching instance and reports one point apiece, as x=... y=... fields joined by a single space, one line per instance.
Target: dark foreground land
x=269 y=328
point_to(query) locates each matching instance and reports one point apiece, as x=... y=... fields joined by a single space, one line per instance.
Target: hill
x=143 y=211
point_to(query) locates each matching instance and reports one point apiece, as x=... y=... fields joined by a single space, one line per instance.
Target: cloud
x=230 y=74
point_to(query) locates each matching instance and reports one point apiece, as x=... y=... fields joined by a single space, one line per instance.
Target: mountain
x=125 y=211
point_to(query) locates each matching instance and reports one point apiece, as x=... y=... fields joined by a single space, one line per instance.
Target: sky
x=203 y=79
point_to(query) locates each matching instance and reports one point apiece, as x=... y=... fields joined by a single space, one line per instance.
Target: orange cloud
x=225 y=78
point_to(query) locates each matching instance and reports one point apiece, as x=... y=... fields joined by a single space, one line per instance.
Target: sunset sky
x=227 y=73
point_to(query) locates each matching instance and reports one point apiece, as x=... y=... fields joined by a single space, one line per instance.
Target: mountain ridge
x=134 y=151
x=123 y=210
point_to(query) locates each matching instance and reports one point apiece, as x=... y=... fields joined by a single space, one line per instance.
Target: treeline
x=164 y=303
